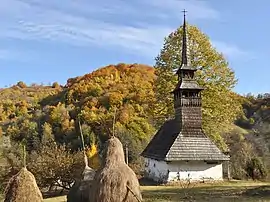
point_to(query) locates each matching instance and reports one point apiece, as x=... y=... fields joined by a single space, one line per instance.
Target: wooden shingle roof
x=188 y=84
x=173 y=143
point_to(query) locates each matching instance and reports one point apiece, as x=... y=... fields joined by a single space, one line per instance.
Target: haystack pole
x=79 y=192
x=22 y=187
x=115 y=181
x=83 y=146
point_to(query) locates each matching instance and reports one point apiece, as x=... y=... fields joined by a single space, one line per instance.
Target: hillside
x=20 y=99
x=256 y=119
x=32 y=112
x=29 y=94
x=126 y=93
x=249 y=141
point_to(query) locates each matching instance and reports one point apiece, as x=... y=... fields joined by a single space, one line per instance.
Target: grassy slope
x=233 y=191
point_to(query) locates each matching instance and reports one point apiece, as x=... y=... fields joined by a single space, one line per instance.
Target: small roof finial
x=184 y=11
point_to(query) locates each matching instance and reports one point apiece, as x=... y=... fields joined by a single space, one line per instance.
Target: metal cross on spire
x=184 y=11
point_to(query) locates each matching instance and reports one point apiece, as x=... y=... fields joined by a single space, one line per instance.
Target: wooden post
x=126 y=154
x=82 y=141
x=228 y=170
x=114 y=122
x=24 y=155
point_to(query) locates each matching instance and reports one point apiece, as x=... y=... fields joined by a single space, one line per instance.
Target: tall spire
x=185 y=60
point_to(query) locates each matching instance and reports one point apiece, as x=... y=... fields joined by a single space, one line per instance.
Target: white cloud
x=74 y=31
x=229 y=50
x=138 y=26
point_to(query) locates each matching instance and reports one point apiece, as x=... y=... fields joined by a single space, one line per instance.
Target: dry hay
x=115 y=181
x=22 y=187
x=79 y=192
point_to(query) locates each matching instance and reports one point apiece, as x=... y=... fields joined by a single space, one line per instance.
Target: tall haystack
x=79 y=192
x=22 y=187
x=115 y=181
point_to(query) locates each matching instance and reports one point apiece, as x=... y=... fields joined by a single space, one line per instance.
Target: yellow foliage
x=92 y=151
x=95 y=162
x=93 y=157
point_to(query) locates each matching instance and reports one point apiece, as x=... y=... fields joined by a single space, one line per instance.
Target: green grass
x=57 y=199
x=230 y=191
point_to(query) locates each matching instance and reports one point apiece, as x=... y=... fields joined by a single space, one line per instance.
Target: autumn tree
x=24 y=130
x=220 y=104
x=62 y=124
x=21 y=84
x=47 y=135
x=55 y=85
x=56 y=164
x=124 y=91
x=51 y=164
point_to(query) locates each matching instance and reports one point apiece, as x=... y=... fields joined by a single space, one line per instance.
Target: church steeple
x=187 y=93
x=185 y=60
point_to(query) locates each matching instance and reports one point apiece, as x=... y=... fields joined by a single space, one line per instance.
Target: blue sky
x=53 y=40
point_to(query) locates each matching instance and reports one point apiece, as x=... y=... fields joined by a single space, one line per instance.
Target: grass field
x=232 y=191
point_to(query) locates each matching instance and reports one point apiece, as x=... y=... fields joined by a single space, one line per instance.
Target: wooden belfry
x=182 y=139
x=187 y=93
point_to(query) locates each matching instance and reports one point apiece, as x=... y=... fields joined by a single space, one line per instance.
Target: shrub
x=51 y=165
x=56 y=165
x=21 y=84
x=256 y=169
x=55 y=85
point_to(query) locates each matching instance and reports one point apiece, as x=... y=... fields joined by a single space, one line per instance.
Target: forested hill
x=102 y=88
x=13 y=100
x=256 y=116
x=35 y=114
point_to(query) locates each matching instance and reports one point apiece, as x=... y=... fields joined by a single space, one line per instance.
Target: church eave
x=194 y=158
x=188 y=68
x=188 y=88
x=187 y=85
x=152 y=156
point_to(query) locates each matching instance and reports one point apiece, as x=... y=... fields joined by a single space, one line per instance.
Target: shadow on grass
x=263 y=191
x=51 y=194
x=147 y=182
x=211 y=193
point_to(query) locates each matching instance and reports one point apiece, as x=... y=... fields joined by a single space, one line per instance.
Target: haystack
x=79 y=192
x=22 y=187
x=115 y=181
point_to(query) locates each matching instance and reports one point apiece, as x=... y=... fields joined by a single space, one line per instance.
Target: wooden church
x=180 y=150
